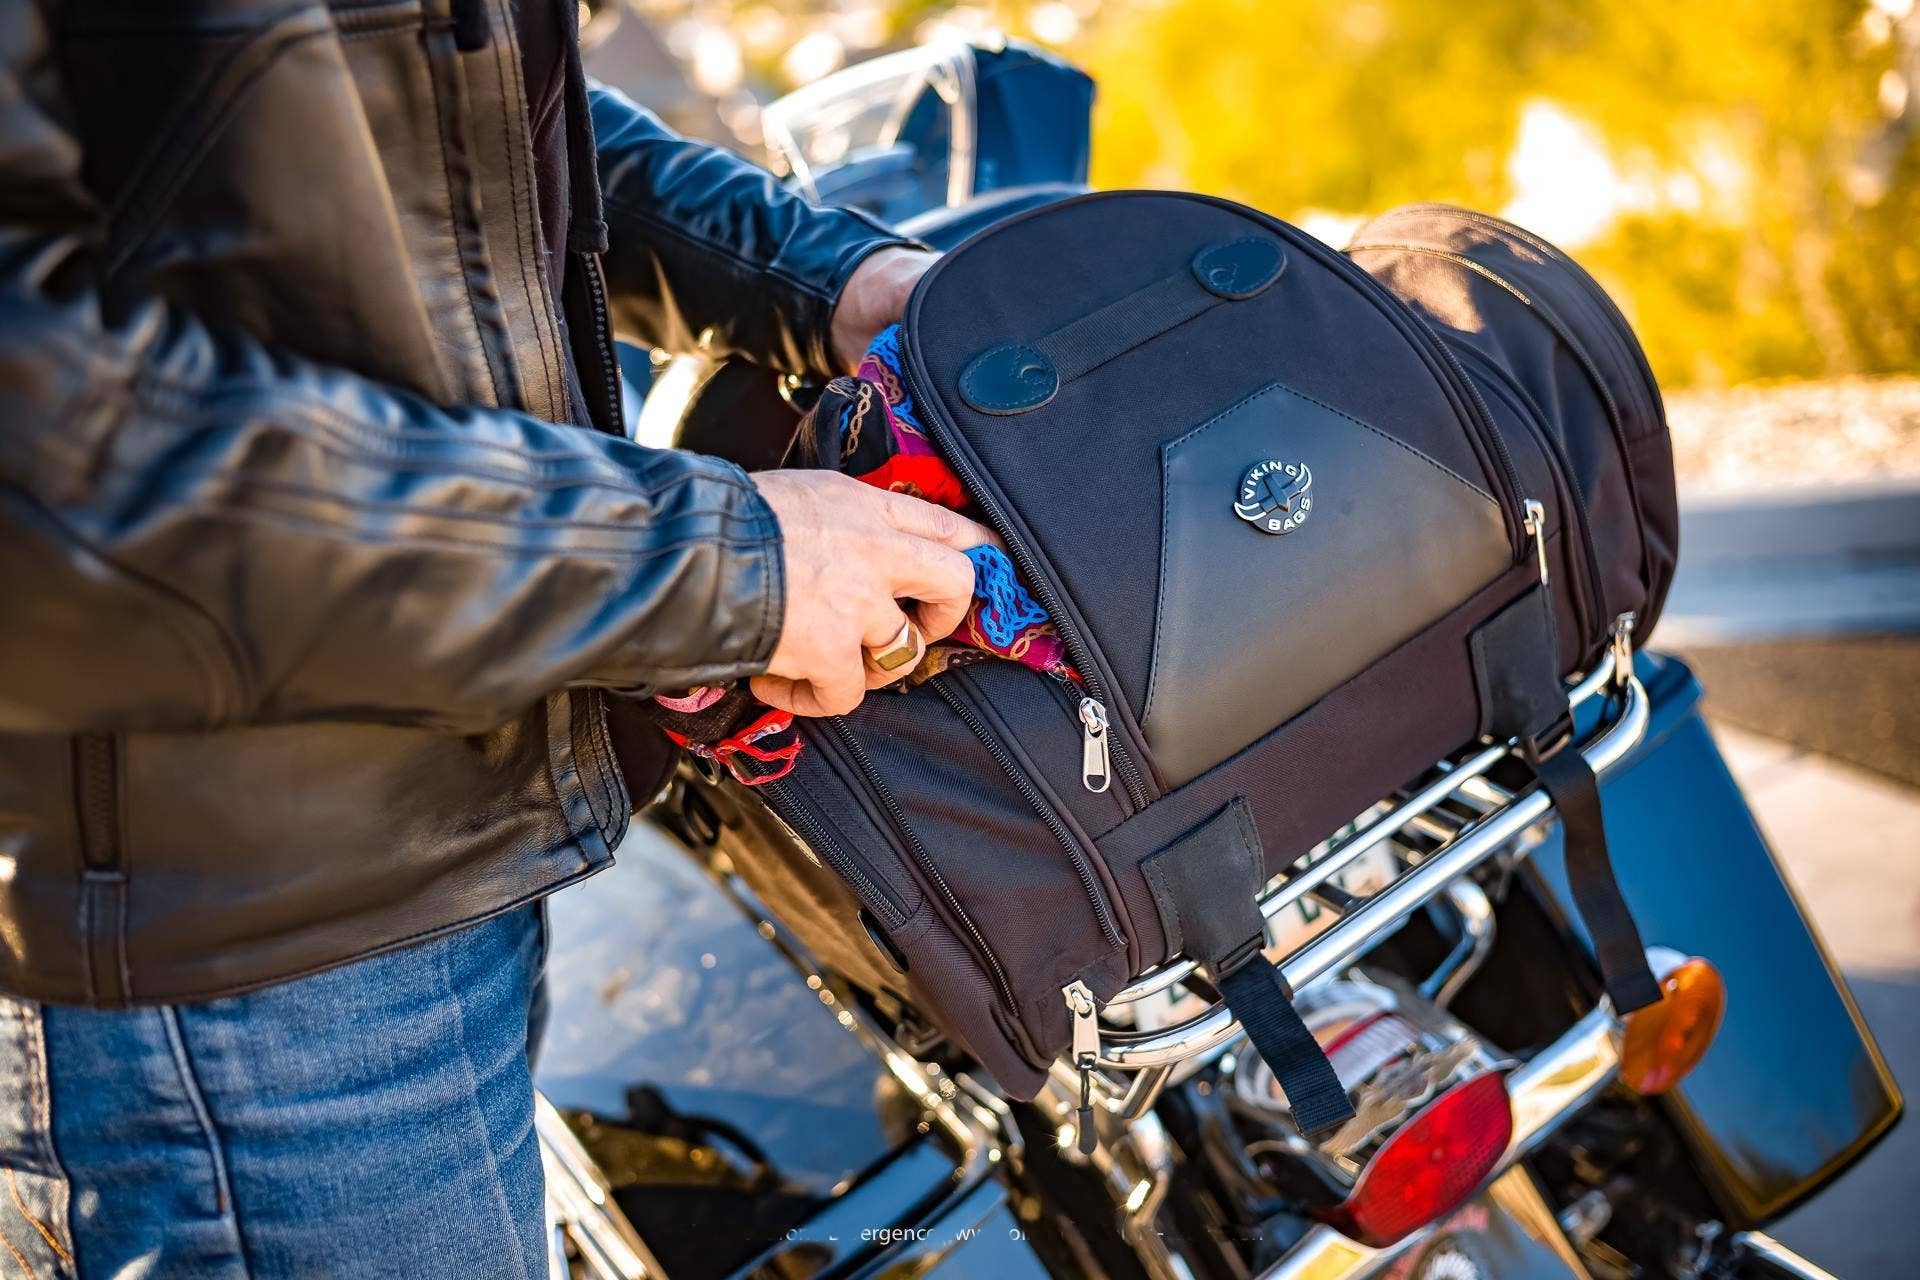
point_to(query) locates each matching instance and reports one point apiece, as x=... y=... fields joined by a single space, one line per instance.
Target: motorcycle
x=731 y=1086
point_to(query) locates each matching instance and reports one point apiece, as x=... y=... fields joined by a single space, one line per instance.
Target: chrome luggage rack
x=1435 y=833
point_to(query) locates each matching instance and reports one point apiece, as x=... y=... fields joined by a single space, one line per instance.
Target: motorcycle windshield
x=893 y=136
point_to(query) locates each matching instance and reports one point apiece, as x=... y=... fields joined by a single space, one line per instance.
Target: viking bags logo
x=1275 y=496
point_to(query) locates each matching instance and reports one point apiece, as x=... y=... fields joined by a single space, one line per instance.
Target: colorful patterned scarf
x=867 y=426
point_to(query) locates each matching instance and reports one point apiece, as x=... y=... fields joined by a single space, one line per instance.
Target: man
x=321 y=560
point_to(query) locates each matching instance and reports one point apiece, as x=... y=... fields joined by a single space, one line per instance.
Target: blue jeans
x=374 y=1120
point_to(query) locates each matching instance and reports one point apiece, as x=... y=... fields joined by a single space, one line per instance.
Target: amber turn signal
x=1667 y=1039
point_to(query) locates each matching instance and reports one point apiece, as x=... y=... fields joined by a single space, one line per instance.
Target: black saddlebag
x=1298 y=544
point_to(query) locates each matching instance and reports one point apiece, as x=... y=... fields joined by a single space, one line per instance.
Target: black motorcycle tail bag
x=1294 y=542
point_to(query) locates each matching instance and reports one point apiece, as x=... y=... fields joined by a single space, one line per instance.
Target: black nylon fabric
x=1616 y=940
x=970 y=799
x=1545 y=326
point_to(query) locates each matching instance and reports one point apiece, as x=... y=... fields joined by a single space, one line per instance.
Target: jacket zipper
x=904 y=829
x=96 y=766
x=846 y=864
x=1088 y=881
x=596 y=285
x=1098 y=744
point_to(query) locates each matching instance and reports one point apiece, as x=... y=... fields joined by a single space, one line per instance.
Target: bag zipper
x=864 y=763
x=846 y=864
x=1098 y=744
x=1054 y=823
x=1086 y=1056
x=1591 y=605
x=1480 y=420
x=1609 y=311
x=1102 y=755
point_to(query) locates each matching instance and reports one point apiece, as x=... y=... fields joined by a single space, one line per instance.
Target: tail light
x=1430 y=1167
x=1667 y=1039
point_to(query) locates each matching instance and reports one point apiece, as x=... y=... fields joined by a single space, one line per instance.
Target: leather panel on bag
x=1253 y=625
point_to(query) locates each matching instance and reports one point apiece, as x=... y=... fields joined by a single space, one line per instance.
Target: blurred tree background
x=1744 y=176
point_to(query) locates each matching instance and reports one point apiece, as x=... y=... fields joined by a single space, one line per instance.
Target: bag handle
x=1014 y=377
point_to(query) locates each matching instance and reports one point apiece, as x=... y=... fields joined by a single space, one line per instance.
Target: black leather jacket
x=297 y=662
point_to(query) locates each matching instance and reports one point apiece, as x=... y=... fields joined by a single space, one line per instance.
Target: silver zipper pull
x=1086 y=1055
x=1095 y=766
x=1622 y=644
x=1537 y=526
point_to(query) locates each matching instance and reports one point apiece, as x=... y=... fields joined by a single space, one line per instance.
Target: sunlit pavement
x=1850 y=841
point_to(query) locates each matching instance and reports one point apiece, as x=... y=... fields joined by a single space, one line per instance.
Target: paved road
x=1851 y=844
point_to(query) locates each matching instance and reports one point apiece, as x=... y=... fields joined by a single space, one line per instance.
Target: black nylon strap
x=1206 y=884
x=1013 y=377
x=1256 y=997
x=1575 y=792
x=1097 y=337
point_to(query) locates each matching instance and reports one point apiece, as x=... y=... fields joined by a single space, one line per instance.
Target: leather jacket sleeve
x=709 y=253
x=198 y=531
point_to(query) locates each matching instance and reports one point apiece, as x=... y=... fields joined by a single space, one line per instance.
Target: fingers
x=923 y=519
x=930 y=570
x=826 y=696
x=900 y=633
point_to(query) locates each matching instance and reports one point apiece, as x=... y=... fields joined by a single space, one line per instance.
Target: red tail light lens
x=1430 y=1167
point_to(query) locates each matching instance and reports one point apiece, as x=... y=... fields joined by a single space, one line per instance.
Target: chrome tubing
x=1475 y=914
x=1354 y=935
x=1777 y=1258
x=1556 y=1083
x=1346 y=852
x=579 y=1196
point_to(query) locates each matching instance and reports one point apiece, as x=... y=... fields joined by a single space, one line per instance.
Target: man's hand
x=874 y=297
x=860 y=561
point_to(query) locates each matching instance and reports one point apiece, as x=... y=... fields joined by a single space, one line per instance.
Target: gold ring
x=900 y=650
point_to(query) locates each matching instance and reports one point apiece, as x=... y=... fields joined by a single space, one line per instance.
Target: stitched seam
x=132 y=231
x=1159 y=587
x=1250 y=837
x=607 y=770
x=377 y=19
x=347 y=533
x=455 y=211
x=385 y=948
x=390 y=444
x=522 y=215
x=85 y=925
x=238 y=484
x=197 y=1102
x=573 y=750
x=559 y=800
x=613 y=782
x=120 y=895
x=452 y=997
x=1166 y=452
x=773 y=546
x=40 y=1103
x=151 y=391
x=1437 y=465
x=224 y=672
x=1163 y=897
x=18 y=1256
x=1459 y=259
x=970 y=379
